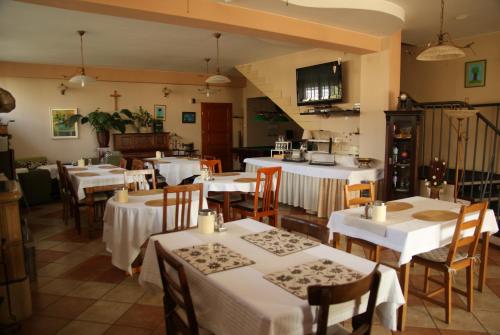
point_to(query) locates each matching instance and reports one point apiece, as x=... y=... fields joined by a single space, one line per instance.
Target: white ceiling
x=40 y=34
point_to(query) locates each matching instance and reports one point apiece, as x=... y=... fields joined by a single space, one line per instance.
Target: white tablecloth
x=240 y=301
x=128 y=225
x=301 y=182
x=176 y=169
x=227 y=183
x=402 y=232
x=52 y=168
x=104 y=178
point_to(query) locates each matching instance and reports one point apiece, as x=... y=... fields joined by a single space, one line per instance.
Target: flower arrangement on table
x=437 y=180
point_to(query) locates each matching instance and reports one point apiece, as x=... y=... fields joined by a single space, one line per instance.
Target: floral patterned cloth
x=321 y=272
x=280 y=242
x=212 y=257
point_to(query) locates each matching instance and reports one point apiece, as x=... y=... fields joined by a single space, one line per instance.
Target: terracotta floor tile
x=49 y=255
x=83 y=272
x=70 y=235
x=53 y=215
x=494 y=285
x=91 y=290
x=67 y=246
x=124 y=293
x=459 y=332
x=42 y=325
x=104 y=311
x=418 y=331
x=74 y=258
x=122 y=330
x=151 y=299
x=112 y=275
x=44 y=245
x=160 y=330
x=54 y=269
x=67 y=307
x=98 y=261
x=490 y=320
x=78 y=327
x=419 y=317
x=60 y=286
x=142 y=316
x=40 y=301
x=460 y=319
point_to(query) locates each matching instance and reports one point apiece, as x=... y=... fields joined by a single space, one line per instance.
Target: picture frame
x=58 y=127
x=475 y=73
x=160 y=112
x=188 y=117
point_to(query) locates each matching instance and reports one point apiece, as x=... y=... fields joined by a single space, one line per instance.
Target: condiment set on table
x=376 y=211
x=209 y=221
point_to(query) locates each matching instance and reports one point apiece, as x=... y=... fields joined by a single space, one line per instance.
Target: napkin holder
x=206 y=221
x=122 y=195
x=81 y=162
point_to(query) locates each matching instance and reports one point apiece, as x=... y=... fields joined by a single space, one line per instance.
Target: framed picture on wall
x=188 y=117
x=475 y=73
x=58 y=126
x=160 y=111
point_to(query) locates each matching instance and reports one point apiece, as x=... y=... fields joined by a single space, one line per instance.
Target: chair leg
x=376 y=254
x=336 y=240
x=65 y=211
x=426 y=279
x=447 y=296
x=470 y=287
x=348 y=245
x=76 y=213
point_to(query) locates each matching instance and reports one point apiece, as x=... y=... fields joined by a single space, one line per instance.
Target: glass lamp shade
x=441 y=52
x=81 y=79
x=218 y=79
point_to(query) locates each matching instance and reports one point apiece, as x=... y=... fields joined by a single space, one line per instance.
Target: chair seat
x=440 y=255
x=247 y=205
x=219 y=198
x=98 y=197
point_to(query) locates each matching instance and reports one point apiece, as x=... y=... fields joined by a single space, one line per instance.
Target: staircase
x=260 y=81
x=479 y=161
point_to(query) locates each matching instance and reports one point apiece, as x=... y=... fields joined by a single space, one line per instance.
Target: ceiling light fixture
x=207 y=90
x=81 y=78
x=445 y=48
x=217 y=78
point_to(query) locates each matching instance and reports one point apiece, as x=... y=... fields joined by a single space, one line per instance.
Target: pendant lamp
x=207 y=90
x=217 y=78
x=81 y=78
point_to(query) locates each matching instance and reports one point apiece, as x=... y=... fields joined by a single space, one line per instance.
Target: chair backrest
x=350 y=201
x=459 y=239
x=212 y=165
x=309 y=228
x=176 y=294
x=63 y=185
x=182 y=200
x=209 y=157
x=123 y=163
x=137 y=164
x=70 y=186
x=138 y=179
x=324 y=296
x=269 y=187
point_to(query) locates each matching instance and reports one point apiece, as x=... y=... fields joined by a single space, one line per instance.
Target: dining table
x=410 y=229
x=175 y=169
x=95 y=175
x=227 y=183
x=127 y=225
x=259 y=285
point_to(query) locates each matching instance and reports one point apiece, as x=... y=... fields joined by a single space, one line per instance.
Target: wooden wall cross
x=115 y=95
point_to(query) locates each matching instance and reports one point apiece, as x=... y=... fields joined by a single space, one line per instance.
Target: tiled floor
x=78 y=291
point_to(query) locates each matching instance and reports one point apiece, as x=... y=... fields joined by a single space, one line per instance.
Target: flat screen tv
x=319 y=84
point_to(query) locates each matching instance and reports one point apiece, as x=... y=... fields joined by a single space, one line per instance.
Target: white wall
x=31 y=134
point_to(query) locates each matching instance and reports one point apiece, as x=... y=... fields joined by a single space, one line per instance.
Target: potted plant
x=437 y=181
x=144 y=120
x=103 y=122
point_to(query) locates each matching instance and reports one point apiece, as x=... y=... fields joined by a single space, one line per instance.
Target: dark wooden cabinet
x=401 y=154
x=141 y=145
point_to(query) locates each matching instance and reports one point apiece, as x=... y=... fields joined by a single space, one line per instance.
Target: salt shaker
x=220 y=223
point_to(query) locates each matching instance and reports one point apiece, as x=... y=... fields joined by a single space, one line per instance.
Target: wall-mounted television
x=319 y=84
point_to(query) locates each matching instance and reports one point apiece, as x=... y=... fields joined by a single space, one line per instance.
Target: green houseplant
x=144 y=120
x=103 y=122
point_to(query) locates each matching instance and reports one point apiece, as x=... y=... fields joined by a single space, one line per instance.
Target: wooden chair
x=99 y=199
x=374 y=250
x=137 y=164
x=176 y=295
x=324 y=296
x=209 y=157
x=267 y=206
x=123 y=163
x=214 y=165
x=138 y=179
x=305 y=227
x=65 y=193
x=183 y=196
x=451 y=258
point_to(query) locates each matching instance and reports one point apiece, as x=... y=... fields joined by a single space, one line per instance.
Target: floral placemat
x=212 y=257
x=280 y=242
x=321 y=272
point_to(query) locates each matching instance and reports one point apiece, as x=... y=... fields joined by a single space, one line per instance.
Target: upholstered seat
x=247 y=205
x=440 y=255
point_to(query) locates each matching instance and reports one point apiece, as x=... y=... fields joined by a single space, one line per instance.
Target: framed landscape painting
x=160 y=111
x=58 y=126
x=475 y=73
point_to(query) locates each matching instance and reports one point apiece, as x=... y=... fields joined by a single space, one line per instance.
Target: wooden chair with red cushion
x=137 y=164
x=268 y=182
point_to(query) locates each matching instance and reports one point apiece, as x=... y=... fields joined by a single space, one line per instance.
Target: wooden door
x=216 y=132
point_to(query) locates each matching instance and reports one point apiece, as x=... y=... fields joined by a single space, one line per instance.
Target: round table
x=175 y=169
x=128 y=225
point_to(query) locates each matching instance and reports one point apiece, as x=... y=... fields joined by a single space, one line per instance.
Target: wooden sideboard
x=141 y=145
